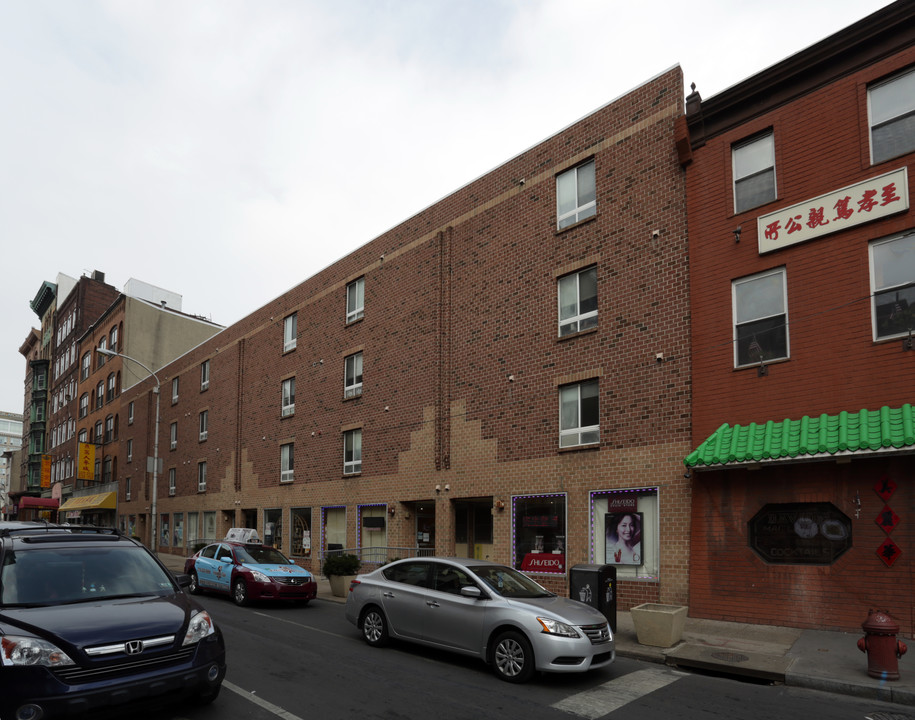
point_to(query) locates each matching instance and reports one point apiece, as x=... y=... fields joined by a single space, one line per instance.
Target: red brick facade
x=816 y=107
x=459 y=409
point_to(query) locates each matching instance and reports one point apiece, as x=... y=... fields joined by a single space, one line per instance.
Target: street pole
x=153 y=540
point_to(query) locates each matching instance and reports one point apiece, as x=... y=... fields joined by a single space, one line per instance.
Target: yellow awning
x=102 y=501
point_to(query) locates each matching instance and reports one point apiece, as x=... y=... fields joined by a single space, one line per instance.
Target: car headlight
x=259 y=577
x=16 y=651
x=555 y=627
x=200 y=626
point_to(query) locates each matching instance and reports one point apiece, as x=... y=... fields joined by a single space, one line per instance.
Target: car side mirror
x=183 y=580
x=471 y=591
x=225 y=559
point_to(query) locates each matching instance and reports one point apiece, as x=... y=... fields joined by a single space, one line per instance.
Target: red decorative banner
x=885 y=487
x=887 y=519
x=889 y=552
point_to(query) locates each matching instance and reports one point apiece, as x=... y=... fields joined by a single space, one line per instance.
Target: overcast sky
x=191 y=144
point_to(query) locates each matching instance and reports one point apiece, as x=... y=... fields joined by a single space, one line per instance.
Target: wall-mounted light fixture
x=737 y=234
x=438 y=488
x=391 y=511
x=500 y=505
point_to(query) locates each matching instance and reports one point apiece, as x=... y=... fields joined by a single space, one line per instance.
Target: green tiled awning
x=847 y=432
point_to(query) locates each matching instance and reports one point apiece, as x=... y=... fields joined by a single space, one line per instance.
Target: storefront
x=98 y=509
x=37 y=508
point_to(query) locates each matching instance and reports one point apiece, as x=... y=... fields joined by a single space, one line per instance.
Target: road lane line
x=301 y=625
x=616 y=693
x=275 y=709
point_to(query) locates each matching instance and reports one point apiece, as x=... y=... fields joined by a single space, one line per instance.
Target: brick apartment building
x=802 y=249
x=501 y=376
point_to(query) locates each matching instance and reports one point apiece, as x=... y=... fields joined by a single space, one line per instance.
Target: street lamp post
x=153 y=540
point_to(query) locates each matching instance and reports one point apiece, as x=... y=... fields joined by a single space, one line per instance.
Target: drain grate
x=730 y=657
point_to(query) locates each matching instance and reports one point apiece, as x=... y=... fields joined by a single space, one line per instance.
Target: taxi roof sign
x=243 y=535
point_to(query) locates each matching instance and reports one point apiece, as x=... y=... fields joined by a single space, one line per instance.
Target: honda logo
x=134 y=647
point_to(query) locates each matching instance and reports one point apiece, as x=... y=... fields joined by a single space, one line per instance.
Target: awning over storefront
x=37 y=502
x=865 y=431
x=101 y=501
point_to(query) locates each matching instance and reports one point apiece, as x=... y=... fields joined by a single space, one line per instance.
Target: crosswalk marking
x=616 y=693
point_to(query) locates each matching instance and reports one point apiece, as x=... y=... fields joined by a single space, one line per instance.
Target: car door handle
x=388 y=594
x=432 y=603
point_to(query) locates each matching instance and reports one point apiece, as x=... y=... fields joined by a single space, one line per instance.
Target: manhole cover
x=730 y=657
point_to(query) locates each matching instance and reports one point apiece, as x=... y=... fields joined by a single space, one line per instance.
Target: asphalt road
x=291 y=663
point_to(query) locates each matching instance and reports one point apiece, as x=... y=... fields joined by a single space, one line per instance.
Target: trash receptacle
x=595 y=585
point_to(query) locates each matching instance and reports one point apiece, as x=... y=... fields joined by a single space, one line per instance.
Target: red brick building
x=802 y=254
x=503 y=375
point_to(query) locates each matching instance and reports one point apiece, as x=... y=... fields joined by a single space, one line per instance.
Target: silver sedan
x=478 y=608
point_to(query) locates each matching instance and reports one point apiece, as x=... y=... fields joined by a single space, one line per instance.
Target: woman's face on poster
x=626 y=529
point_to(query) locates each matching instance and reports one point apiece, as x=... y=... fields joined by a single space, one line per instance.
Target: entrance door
x=473 y=528
x=425 y=529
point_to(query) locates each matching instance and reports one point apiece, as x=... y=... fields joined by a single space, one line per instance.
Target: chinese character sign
x=86 y=464
x=857 y=204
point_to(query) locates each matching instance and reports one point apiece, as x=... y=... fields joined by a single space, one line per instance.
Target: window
x=352 y=376
x=273 y=527
x=101 y=357
x=202 y=476
x=891 y=107
x=290 y=332
x=287 y=462
x=100 y=395
x=130 y=450
x=172 y=481
x=85 y=366
x=127 y=489
x=352 y=452
x=575 y=195
x=760 y=318
x=633 y=549
x=178 y=530
x=539 y=523
x=83 y=436
x=107 y=470
x=99 y=432
x=578 y=301
x=301 y=531
x=163 y=529
x=174 y=390
x=84 y=405
x=109 y=428
x=173 y=435
x=204 y=418
x=113 y=339
x=355 y=300
x=893 y=286
x=288 y=394
x=112 y=387
x=754 y=172
x=579 y=414
x=205 y=375
x=130 y=413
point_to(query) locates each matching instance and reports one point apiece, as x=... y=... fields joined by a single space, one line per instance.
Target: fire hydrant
x=880 y=643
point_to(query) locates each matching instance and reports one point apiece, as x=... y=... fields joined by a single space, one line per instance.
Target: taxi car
x=242 y=567
x=91 y=623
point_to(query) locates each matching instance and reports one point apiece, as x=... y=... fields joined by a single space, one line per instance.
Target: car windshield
x=509 y=583
x=261 y=555
x=54 y=576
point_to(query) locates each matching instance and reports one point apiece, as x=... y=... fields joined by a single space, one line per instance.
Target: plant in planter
x=340 y=570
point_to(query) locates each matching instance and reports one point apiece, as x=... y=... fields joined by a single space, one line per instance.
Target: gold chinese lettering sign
x=86 y=467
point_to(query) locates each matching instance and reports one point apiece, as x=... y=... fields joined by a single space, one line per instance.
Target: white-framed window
x=205 y=375
x=577 y=301
x=287 y=407
x=127 y=484
x=891 y=115
x=130 y=450
x=85 y=366
x=172 y=481
x=576 y=197
x=892 y=262
x=100 y=395
x=99 y=433
x=290 y=332
x=355 y=300
x=579 y=414
x=130 y=413
x=352 y=375
x=84 y=405
x=173 y=435
x=101 y=358
x=352 y=452
x=109 y=428
x=753 y=164
x=174 y=390
x=760 y=312
x=113 y=339
x=202 y=476
x=204 y=421
x=112 y=387
x=624 y=531
x=287 y=462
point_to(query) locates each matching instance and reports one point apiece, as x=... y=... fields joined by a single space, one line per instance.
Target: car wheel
x=375 y=627
x=513 y=657
x=240 y=592
x=194 y=587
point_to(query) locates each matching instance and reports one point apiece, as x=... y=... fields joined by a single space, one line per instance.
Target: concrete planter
x=659 y=625
x=339 y=584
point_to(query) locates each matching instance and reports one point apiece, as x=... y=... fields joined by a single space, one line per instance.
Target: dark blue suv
x=91 y=621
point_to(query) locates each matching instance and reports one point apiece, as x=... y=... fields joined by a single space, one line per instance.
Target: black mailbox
x=595 y=585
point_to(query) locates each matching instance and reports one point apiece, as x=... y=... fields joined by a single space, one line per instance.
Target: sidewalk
x=813 y=659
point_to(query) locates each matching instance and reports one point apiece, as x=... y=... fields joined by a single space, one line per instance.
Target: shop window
x=273 y=528
x=539 y=533
x=301 y=532
x=373 y=538
x=624 y=531
x=893 y=286
x=164 y=534
x=192 y=530
x=209 y=526
x=178 y=530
